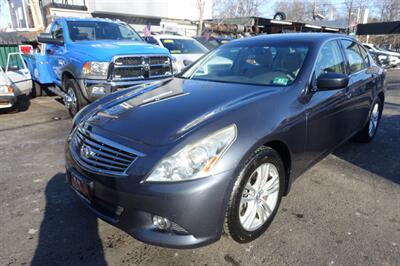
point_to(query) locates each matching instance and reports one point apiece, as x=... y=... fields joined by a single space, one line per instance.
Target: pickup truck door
x=56 y=54
x=18 y=74
x=361 y=83
x=326 y=118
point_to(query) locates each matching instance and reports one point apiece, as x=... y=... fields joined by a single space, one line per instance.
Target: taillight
x=25 y=49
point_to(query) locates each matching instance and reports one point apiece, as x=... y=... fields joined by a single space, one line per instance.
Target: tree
x=387 y=10
x=355 y=10
x=200 y=6
x=236 y=8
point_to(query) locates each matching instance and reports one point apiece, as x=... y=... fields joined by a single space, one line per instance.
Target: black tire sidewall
x=236 y=230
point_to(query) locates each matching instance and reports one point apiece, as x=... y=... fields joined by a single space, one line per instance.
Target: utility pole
x=314 y=11
x=349 y=17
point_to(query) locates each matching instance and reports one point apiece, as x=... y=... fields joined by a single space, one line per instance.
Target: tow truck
x=83 y=59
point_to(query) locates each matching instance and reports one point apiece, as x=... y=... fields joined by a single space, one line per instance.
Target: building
x=172 y=9
x=23 y=15
x=179 y=16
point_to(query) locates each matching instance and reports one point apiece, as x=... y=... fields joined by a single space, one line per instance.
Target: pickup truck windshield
x=276 y=65
x=184 y=46
x=100 y=30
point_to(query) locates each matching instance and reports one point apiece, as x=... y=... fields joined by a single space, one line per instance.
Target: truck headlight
x=95 y=70
x=6 y=89
x=195 y=160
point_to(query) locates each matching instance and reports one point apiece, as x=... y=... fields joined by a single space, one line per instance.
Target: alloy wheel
x=259 y=197
x=373 y=120
x=71 y=101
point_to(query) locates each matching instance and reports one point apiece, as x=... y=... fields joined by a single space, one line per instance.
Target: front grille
x=99 y=154
x=140 y=67
x=125 y=73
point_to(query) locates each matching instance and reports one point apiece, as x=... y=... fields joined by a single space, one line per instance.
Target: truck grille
x=98 y=154
x=140 y=67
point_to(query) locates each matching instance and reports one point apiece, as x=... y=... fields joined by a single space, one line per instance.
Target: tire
x=36 y=89
x=237 y=225
x=76 y=100
x=280 y=16
x=368 y=133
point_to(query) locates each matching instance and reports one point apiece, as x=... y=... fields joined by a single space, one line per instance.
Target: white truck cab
x=186 y=50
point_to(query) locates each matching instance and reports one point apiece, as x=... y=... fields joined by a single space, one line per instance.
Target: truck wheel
x=36 y=89
x=74 y=100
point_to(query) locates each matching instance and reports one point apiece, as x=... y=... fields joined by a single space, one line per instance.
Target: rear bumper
x=195 y=208
x=7 y=101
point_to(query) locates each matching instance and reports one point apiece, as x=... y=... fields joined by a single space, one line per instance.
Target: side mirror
x=332 y=81
x=48 y=38
x=187 y=62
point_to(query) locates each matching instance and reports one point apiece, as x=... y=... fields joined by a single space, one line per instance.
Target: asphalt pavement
x=343 y=211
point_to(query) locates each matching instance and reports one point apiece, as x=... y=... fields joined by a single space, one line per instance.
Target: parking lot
x=343 y=211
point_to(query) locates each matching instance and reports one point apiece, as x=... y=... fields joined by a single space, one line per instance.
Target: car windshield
x=276 y=65
x=183 y=46
x=101 y=30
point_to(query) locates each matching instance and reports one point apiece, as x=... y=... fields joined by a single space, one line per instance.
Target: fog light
x=98 y=90
x=161 y=222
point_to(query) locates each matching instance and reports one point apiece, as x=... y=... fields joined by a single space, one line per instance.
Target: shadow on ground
x=381 y=156
x=68 y=233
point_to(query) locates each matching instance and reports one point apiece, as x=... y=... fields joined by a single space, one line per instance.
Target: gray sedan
x=176 y=163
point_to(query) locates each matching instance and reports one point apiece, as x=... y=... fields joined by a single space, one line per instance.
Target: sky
x=4 y=14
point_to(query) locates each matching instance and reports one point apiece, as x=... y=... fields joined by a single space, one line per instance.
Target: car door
x=326 y=117
x=18 y=74
x=361 y=83
x=56 y=53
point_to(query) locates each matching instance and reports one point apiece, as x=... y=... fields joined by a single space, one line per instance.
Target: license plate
x=81 y=186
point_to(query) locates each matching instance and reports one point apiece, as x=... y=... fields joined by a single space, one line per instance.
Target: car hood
x=389 y=53
x=191 y=57
x=162 y=112
x=105 y=50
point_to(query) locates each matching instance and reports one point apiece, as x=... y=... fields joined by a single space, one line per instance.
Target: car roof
x=310 y=37
x=89 y=19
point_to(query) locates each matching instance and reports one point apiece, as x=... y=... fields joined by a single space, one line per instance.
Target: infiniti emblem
x=87 y=152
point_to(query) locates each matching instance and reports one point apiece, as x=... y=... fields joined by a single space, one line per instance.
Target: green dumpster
x=5 y=49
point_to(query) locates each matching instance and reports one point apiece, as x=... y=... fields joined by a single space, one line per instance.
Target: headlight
x=194 y=160
x=96 y=70
x=6 y=89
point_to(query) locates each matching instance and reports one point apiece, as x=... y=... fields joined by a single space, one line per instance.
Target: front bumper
x=95 y=89
x=7 y=100
x=195 y=208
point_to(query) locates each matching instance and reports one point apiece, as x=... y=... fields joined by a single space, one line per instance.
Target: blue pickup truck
x=85 y=59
